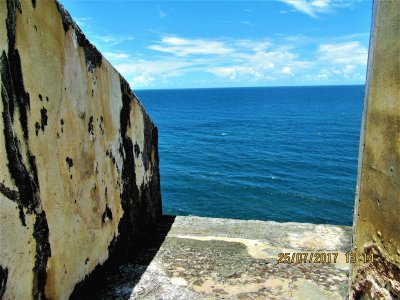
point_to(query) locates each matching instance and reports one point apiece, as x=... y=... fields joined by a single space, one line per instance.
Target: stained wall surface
x=79 y=176
x=377 y=209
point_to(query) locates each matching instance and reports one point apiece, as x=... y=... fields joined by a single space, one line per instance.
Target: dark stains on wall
x=147 y=205
x=43 y=252
x=101 y=125
x=65 y=17
x=11 y=21
x=154 y=189
x=107 y=215
x=21 y=96
x=379 y=267
x=37 y=128
x=15 y=73
x=43 y=121
x=130 y=201
x=90 y=126
x=92 y=56
x=3 y=280
x=149 y=132
x=111 y=156
x=14 y=95
x=137 y=150
x=141 y=206
x=24 y=179
x=70 y=162
x=22 y=215
x=9 y=193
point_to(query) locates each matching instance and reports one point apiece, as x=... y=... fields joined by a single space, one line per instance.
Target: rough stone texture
x=79 y=175
x=207 y=258
x=377 y=209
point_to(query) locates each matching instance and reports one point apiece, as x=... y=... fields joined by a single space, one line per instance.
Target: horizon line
x=245 y=87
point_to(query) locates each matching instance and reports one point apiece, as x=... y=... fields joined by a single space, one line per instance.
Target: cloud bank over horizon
x=171 y=57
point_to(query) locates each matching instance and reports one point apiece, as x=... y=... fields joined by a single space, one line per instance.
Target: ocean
x=277 y=153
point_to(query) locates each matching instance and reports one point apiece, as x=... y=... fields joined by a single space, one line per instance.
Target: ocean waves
x=283 y=154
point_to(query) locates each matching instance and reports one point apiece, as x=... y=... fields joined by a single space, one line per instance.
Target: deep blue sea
x=276 y=153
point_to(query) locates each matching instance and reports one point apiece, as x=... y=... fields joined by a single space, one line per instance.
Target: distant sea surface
x=281 y=154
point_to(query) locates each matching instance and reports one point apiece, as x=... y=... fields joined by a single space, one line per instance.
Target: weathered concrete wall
x=79 y=172
x=377 y=212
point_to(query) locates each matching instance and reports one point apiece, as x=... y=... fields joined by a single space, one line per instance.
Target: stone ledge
x=208 y=258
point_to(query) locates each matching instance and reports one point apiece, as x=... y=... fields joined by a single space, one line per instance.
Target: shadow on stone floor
x=213 y=258
x=126 y=270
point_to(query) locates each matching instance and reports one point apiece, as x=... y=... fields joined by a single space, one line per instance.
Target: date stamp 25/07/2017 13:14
x=323 y=257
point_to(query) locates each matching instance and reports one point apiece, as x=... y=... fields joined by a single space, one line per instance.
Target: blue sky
x=195 y=44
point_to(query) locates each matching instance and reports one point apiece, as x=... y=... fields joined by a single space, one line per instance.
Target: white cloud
x=315 y=7
x=343 y=53
x=184 y=47
x=142 y=80
x=261 y=65
x=338 y=73
x=116 y=56
x=344 y=61
x=267 y=61
x=287 y=70
x=236 y=72
x=163 y=67
x=253 y=45
x=109 y=40
x=278 y=59
x=323 y=75
x=145 y=73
